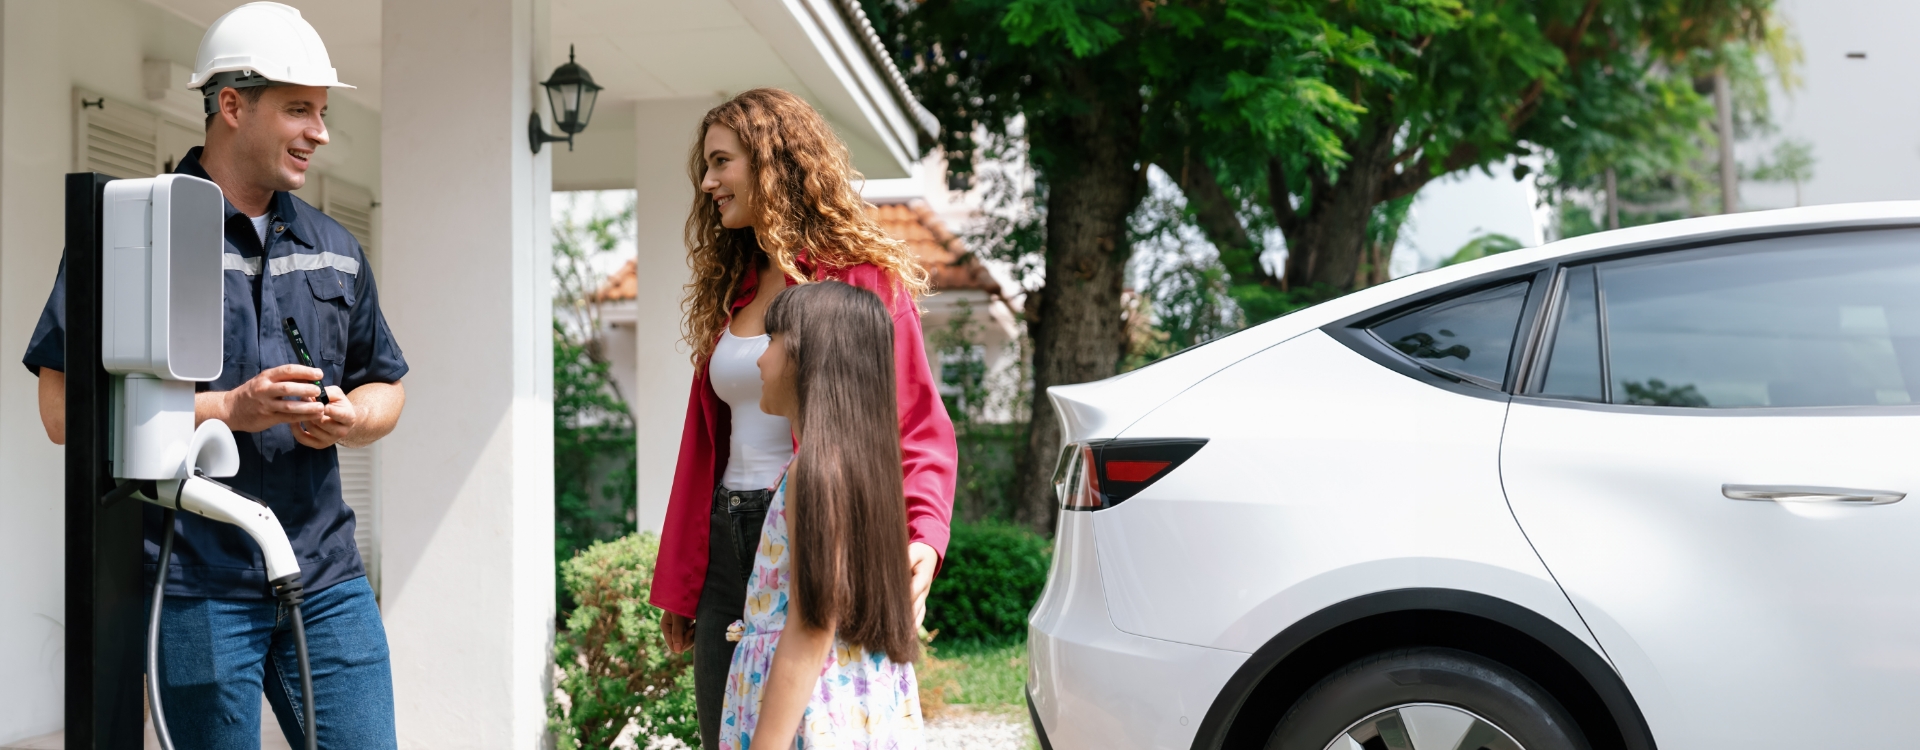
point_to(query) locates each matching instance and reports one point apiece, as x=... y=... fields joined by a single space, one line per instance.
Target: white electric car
x=1630 y=490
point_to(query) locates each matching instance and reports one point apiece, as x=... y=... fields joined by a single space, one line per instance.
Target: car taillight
x=1103 y=473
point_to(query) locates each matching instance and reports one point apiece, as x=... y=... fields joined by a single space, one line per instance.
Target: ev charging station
x=145 y=319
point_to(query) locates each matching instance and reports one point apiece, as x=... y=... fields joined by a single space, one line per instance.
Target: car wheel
x=1426 y=699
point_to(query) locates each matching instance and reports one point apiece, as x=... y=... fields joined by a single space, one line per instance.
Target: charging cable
x=287 y=589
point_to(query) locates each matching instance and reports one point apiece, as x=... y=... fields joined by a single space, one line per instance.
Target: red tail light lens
x=1103 y=473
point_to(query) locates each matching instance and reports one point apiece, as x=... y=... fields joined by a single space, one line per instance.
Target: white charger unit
x=162 y=317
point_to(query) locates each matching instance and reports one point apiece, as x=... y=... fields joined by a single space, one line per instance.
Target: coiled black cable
x=287 y=590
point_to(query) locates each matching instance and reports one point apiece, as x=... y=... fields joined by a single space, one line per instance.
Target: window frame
x=1533 y=334
x=1355 y=331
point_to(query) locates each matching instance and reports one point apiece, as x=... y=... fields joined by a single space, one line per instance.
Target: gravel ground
x=959 y=728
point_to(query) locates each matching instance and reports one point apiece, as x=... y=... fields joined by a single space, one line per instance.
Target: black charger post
x=106 y=610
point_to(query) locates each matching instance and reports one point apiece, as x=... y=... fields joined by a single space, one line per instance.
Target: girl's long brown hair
x=845 y=496
x=803 y=189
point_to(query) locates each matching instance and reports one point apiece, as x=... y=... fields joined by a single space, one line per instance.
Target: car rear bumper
x=1091 y=686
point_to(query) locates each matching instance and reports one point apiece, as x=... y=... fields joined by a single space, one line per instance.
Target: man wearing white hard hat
x=225 y=640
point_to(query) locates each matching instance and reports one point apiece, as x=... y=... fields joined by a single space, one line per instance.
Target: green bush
x=991 y=578
x=614 y=665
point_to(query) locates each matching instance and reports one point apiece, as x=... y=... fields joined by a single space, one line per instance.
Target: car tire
x=1426 y=699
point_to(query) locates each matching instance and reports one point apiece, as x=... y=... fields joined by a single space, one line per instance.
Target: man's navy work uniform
x=222 y=632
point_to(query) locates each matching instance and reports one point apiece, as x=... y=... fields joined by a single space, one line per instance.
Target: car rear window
x=1470 y=336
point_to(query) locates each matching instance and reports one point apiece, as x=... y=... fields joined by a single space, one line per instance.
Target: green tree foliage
x=1441 y=87
x=988 y=584
x=593 y=433
x=1792 y=161
x=1662 y=169
x=615 y=668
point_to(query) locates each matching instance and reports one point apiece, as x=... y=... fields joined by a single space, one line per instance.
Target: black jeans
x=733 y=535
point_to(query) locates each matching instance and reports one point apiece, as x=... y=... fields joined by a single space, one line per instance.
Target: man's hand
x=334 y=424
x=263 y=401
x=921 y=559
x=678 y=630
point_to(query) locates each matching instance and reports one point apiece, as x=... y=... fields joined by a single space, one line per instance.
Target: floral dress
x=862 y=702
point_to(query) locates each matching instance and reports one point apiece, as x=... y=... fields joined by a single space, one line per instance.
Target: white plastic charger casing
x=162 y=315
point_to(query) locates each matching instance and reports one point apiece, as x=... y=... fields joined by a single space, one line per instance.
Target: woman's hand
x=678 y=630
x=921 y=560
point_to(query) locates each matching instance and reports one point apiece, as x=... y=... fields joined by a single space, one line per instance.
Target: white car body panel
x=1378 y=482
x=1771 y=624
x=1093 y=686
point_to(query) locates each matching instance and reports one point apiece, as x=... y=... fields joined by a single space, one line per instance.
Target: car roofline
x=1087 y=412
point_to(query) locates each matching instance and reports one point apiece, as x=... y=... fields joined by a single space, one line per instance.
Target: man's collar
x=281 y=208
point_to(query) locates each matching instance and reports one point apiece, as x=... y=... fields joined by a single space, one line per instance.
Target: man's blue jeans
x=217 y=655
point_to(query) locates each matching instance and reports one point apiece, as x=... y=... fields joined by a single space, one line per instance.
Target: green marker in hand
x=300 y=350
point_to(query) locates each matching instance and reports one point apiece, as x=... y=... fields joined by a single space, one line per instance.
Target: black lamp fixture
x=571 y=91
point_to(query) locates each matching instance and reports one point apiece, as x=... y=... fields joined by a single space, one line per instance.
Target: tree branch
x=1215 y=211
x=1410 y=180
x=1530 y=100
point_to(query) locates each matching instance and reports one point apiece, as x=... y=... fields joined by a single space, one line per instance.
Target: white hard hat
x=262 y=44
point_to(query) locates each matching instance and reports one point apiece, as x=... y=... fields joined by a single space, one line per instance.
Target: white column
x=36 y=151
x=664 y=130
x=467 y=479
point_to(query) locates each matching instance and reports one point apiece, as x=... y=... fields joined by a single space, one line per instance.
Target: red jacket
x=927 y=449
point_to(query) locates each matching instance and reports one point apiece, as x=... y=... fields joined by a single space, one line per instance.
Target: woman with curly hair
x=775 y=206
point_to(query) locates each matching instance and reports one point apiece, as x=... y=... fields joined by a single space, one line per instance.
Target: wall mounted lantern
x=571 y=91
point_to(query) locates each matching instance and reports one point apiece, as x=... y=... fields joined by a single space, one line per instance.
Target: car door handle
x=1798 y=493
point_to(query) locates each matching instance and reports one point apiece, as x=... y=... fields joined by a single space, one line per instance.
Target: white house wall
x=1858 y=114
x=48 y=49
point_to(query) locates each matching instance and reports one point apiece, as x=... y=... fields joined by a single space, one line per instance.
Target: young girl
x=825 y=655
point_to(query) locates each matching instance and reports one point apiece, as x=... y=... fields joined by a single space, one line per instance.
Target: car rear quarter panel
x=1326 y=477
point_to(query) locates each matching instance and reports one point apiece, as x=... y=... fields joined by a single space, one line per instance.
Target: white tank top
x=761 y=443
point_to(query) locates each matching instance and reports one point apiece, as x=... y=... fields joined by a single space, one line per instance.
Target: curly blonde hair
x=803 y=188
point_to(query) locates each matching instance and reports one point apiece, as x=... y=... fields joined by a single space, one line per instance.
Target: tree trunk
x=1324 y=244
x=1729 y=169
x=1092 y=182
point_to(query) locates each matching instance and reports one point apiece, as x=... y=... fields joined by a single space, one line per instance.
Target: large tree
x=1302 y=115
x=1460 y=85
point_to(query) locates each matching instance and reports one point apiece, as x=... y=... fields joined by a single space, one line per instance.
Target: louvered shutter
x=114 y=137
x=357 y=488
x=126 y=141
x=352 y=206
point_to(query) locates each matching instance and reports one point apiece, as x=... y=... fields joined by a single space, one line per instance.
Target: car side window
x=1822 y=320
x=1470 y=336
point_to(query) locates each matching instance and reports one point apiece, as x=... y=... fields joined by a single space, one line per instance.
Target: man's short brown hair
x=251 y=93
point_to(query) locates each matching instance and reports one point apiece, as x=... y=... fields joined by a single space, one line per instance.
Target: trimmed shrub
x=613 y=663
x=989 y=583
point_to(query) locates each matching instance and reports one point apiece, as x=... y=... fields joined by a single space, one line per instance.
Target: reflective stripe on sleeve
x=286 y=264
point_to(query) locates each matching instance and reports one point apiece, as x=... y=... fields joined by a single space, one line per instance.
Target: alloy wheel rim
x=1424 y=726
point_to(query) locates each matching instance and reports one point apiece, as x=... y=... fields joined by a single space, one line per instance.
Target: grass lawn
x=972 y=678
x=987 y=677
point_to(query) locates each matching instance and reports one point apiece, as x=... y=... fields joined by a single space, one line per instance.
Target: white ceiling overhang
x=675 y=49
